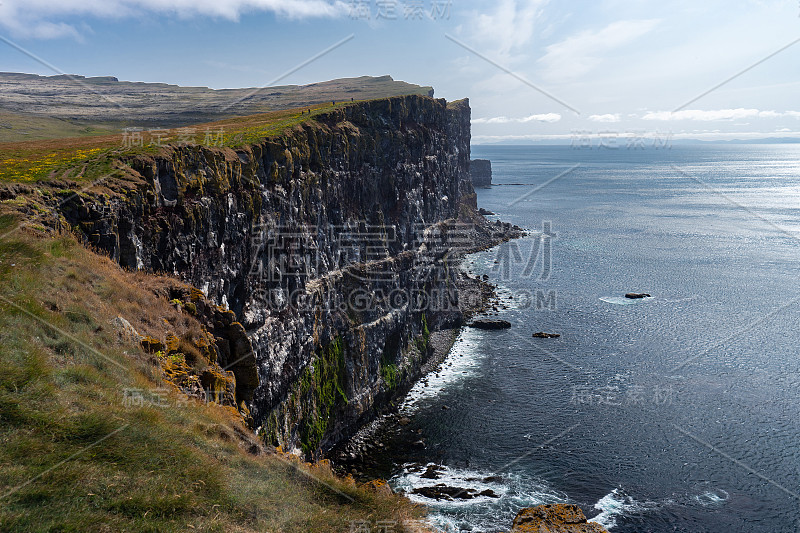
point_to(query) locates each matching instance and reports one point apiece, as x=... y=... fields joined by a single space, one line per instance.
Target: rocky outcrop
x=554 y=518
x=331 y=247
x=637 y=295
x=480 y=171
x=212 y=362
x=489 y=323
x=228 y=345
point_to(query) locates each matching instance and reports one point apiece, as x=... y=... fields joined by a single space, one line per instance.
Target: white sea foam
x=712 y=498
x=681 y=299
x=462 y=362
x=621 y=300
x=616 y=504
x=480 y=513
x=471 y=480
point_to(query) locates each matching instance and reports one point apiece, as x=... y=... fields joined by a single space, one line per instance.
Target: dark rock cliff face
x=329 y=243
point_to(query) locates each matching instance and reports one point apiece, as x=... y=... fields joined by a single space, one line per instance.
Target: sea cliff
x=334 y=245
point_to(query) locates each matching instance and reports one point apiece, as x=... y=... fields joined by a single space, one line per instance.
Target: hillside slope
x=95 y=438
x=41 y=107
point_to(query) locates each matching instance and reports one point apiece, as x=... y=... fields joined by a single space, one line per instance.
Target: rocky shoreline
x=391 y=439
x=388 y=432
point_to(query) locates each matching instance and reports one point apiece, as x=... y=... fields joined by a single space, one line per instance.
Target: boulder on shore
x=543 y=335
x=554 y=518
x=636 y=295
x=488 y=323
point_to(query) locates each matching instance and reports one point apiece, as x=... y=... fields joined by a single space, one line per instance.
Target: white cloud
x=581 y=53
x=544 y=117
x=508 y=28
x=716 y=114
x=608 y=117
x=40 y=18
x=44 y=30
x=493 y=139
x=733 y=135
x=626 y=141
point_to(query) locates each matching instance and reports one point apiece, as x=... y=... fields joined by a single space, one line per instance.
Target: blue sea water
x=672 y=413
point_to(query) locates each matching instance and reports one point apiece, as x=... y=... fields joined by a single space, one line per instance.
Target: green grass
x=15 y=127
x=247 y=130
x=324 y=381
x=71 y=158
x=75 y=456
x=390 y=375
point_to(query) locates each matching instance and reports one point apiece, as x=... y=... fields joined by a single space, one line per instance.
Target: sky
x=579 y=71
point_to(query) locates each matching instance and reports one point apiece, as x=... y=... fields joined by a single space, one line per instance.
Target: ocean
x=677 y=412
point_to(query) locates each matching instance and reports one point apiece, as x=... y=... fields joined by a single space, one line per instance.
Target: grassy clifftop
x=91 y=158
x=85 y=159
x=95 y=439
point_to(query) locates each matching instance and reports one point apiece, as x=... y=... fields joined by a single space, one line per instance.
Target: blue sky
x=607 y=67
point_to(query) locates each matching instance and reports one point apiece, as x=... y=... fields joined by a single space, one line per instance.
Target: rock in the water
x=487 y=323
x=637 y=295
x=485 y=212
x=543 y=335
x=480 y=171
x=431 y=473
x=554 y=518
x=447 y=493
